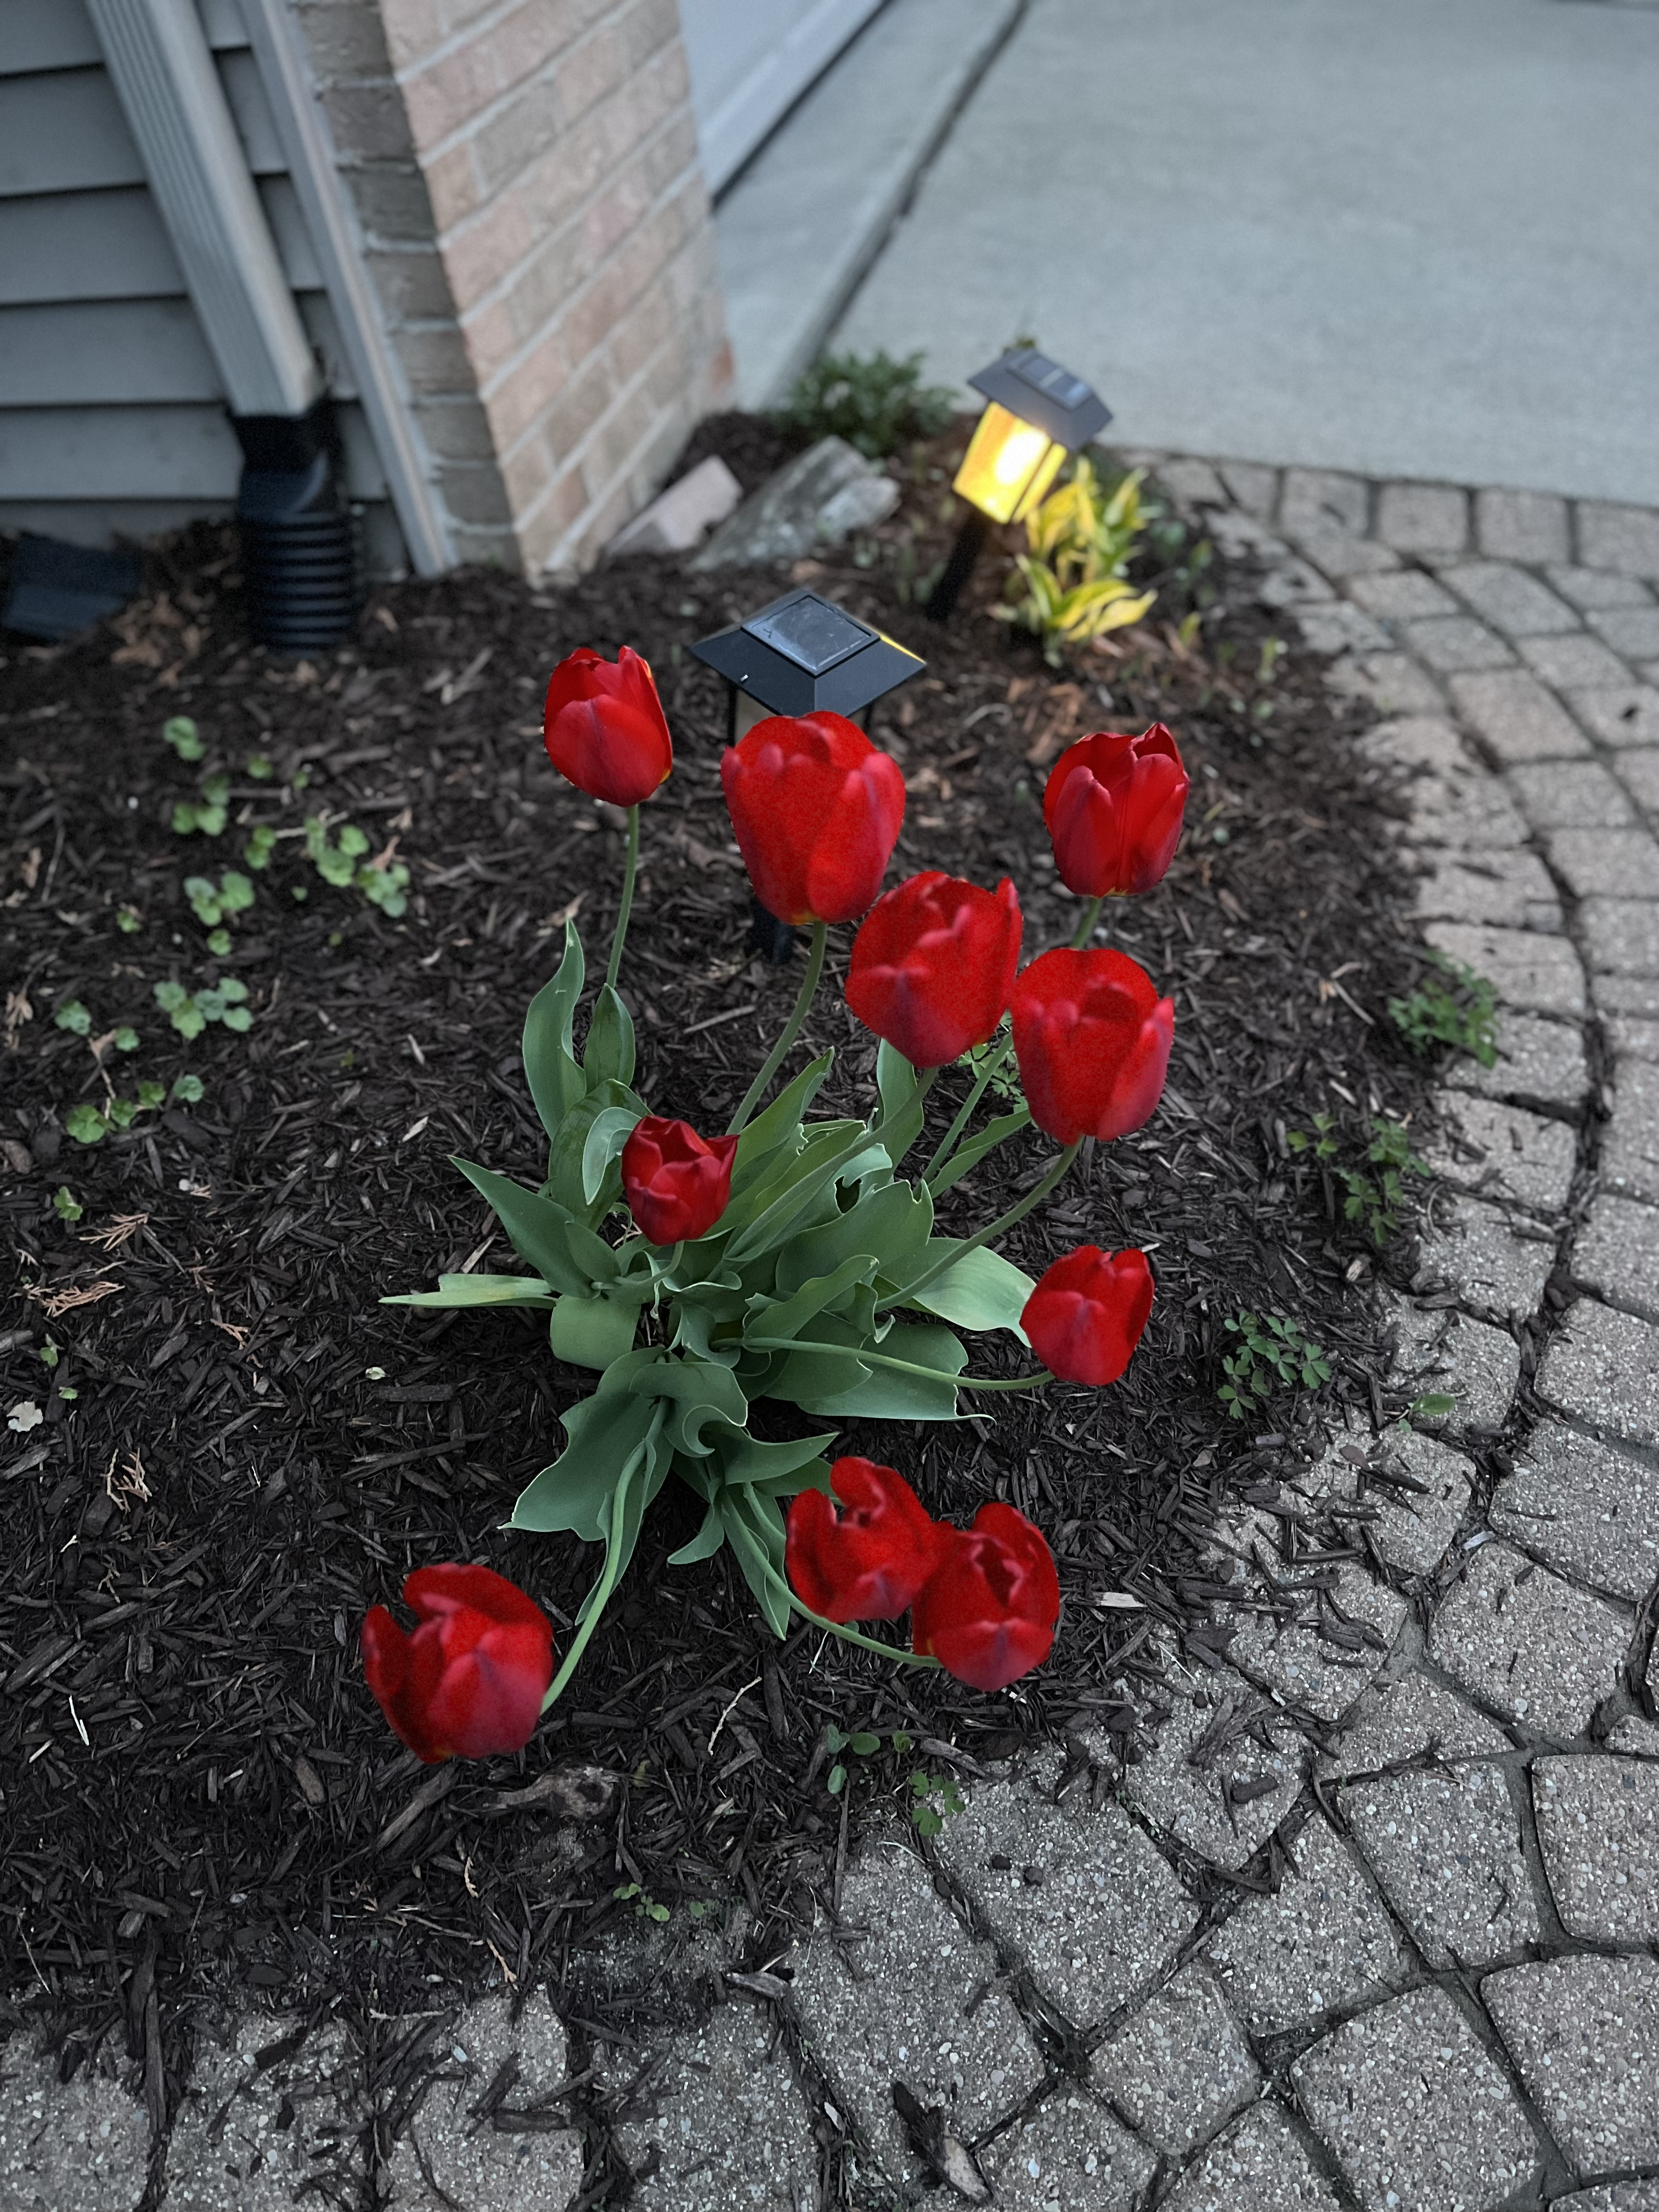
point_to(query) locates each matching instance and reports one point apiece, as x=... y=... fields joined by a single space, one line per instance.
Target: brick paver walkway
x=1446 y=1998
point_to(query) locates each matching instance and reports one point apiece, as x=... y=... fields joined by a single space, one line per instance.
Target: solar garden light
x=1038 y=413
x=799 y=655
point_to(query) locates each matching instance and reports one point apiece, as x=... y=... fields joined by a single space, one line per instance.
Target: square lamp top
x=1039 y=391
x=801 y=655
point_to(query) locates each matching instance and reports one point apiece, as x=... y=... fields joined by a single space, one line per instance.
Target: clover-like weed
x=1460 y=1010
x=1272 y=1355
x=1374 y=1187
x=190 y=1012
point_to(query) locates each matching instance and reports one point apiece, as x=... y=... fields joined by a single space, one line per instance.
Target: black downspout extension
x=299 y=537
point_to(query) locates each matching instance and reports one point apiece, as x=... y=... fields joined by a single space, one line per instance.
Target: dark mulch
x=197 y=1791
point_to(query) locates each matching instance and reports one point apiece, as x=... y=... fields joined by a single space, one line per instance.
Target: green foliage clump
x=1272 y=1355
x=261 y=844
x=340 y=862
x=190 y=1012
x=933 y=1798
x=1081 y=538
x=1375 y=1190
x=212 y=904
x=206 y=815
x=1462 y=1010
x=876 y=403
x=183 y=736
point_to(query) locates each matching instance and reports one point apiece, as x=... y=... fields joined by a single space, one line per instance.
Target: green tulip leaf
x=590 y=1332
x=481 y=1290
x=980 y=1291
x=707 y=1541
x=607 y=1132
x=543 y=1232
x=574 y=1494
x=608 y=1055
x=896 y=1079
x=787 y=1317
x=884 y=1394
x=567 y=1159
x=556 y=1083
x=780 y=1122
x=890 y=1223
x=969 y=1155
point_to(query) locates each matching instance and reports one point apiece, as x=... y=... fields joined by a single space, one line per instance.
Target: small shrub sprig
x=875 y=403
x=1460 y=1010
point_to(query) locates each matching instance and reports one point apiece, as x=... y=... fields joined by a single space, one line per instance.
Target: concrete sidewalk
x=1414 y=240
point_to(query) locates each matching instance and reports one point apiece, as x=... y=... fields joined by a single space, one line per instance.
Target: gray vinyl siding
x=112 y=420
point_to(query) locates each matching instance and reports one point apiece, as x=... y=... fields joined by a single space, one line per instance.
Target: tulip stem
x=852 y=1635
x=1085 y=928
x=630 y=869
x=599 y=1596
x=999 y=1227
x=994 y=1059
x=792 y=1030
x=902 y=1366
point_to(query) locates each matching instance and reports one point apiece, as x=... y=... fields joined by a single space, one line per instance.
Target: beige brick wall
x=525 y=172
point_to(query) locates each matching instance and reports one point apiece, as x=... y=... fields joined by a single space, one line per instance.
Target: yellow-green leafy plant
x=1081 y=540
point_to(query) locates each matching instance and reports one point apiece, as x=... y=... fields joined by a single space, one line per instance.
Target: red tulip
x=1113 y=804
x=470 y=1681
x=605 y=726
x=988 y=1613
x=865 y=1558
x=1085 y=1316
x=817 y=811
x=676 y=1182
x=1092 y=1038
x=933 y=966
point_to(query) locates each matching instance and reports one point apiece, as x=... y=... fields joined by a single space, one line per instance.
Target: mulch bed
x=198 y=1793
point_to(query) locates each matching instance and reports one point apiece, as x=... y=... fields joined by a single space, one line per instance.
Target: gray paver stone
x=1607 y=863
x=1631 y=1038
x=1589 y=1509
x=725 y=2120
x=1632 y=631
x=1339 y=627
x=1598 y=1824
x=1630 y=1149
x=1392 y=682
x=446 y=2157
x=1311 y=1657
x=1570 y=795
x=1639 y=772
x=80 y=2145
x=1105 y=1913
x=1320 y=499
x=1627 y=994
x=1449 y=643
x=1584 y=2037
x=1512 y=888
x=1407 y=1719
x=1340 y=555
x=1401 y=595
x=918 y=2011
x=1623 y=935
x=1622 y=539
x=1290 y=583
x=1196 y=1782
x=1258 y=2163
x=1521 y=525
x=1602 y=1367
x=1425 y=745
x=1322 y=1943
x=1578 y=663
x=1519 y=720
x=1411 y=1528
x=1445 y=1354
x=1497 y=1262
x=1530 y=972
x=1181 y=2069
x=1509 y=600
x=1635 y=1735
x=1070 y=2156
x=1192 y=483
x=1598 y=587
x=1528 y=1643
x=1419 y=518
x=1416 y=2110
x=1503 y=1152
x=1539 y=1062
x=1617 y=2197
x=1619 y=714
x=252 y=2139
x=1251 y=486
x=1616 y=1254
x=1446 y=1848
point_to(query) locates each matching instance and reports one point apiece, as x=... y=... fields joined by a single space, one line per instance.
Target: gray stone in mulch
x=1442 y=1354
x=720 y=2123
x=1321 y=1655
x=1602 y=1367
x=1074 y=1892
x=1503 y=1152
x=1410 y=1719
x=1510 y=888
x=1529 y=971
x=1616 y=1254
x=1538 y=1060
x=1259 y=2163
x=1071 y=2156
x=519 y=2154
x=1589 y=1509
x=1630 y=1149
x=915 y=1999
x=1584 y=2037
x=1446 y=1848
x=1598 y=1824
x=1416 y=2110
x=822 y=496
x=1529 y=1644
x=80 y=2145
x=1226 y=1770
x=253 y=2138
x=1497 y=1261
x=1321 y=1944
x=1181 y=2069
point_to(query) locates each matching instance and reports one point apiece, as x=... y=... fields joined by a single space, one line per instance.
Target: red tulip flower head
x=988 y=1613
x=816 y=810
x=470 y=1681
x=1085 y=1316
x=1092 y=1038
x=605 y=726
x=933 y=966
x=676 y=1182
x=865 y=1556
x=1112 y=805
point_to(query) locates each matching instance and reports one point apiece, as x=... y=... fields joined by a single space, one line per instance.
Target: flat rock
x=1446 y=1848
x=1529 y=1644
x=1616 y=1255
x=1409 y=1719
x=75 y=2146
x=1602 y=1368
x=1445 y=1354
x=725 y=2121
x=1259 y=2163
x=1587 y=1509
x=1070 y=2155
x=1202 y=1783
x=1540 y=1063
x=1619 y=2197
x=1529 y=971
x=914 y=2001
x=1181 y=2069
x=1498 y=1150
x=1582 y=2033
x=1321 y=1943
x=815 y=501
x=681 y=517
x=1598 y=1826
x=448 y=2156
x=1497 y=1263
x=253 y=2138
x=1416 y=2110
x=1412 y=1522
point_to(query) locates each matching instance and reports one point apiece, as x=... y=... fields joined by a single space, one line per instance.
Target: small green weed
x=207 y=815
x=73 y=1016
x=1374 y=1193
x=65 y=1204
x=183 y=736
x=258 y=766
x=1272 y=1355
x=190 y=1012
x=1004 y=1085
x=1462 y=1010
x=233 y=894
x=129 y=920
x=338 y=863
x=261 y=844
x=88 y=1125
x=934 y=1799
x=645 y=1906
x=876 y=403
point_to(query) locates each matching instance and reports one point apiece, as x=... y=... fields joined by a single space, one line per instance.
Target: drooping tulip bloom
x=1112 y=805
x=470 y=1681
x=865 y=1557
x=817 y=811
x=1092 y=1038
x=933 y=965
x=988 y=1612
x=676 y=1182
x=605 y=726
x=1085 y=1316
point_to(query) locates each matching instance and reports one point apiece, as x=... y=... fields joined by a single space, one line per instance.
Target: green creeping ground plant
x=933 y=1798
x=645 y=1906
x=1461 y=1012
x=1272 y=1355
x=338 y=863
x=90 y=1124
x=183 y=736
x=65 y=1204
x=1374 y=1193
x=876 y=403
x=212 y=904
x=261 y=844
x=1081 y=541
x=190 y=1012
x=207 y=815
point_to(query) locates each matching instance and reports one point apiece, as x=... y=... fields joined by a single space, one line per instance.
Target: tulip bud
x=988 y=1613
x=1092 y=1038
x=863 y=1554
x=677 y=1183
x=605 y=726
x=933 y=965
x=470 y=1681
x=1085 y=1317
x=816 y=812
x=1112 y=805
